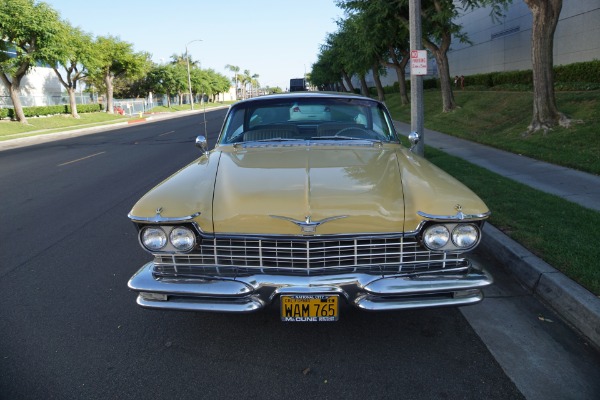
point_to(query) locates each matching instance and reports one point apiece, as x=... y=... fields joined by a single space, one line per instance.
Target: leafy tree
x=165 y=80
x=74 y=50
x=219 y=82
x=356 y=49
x=326 y=72
x=180 y=61
x=438 y=28
x=545 y=112
x=116 y=58
x=27 y=28
x=214 y=83
x=340 y=57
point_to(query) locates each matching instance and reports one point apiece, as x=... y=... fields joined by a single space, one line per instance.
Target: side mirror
x=414 y=139
x=201 y=143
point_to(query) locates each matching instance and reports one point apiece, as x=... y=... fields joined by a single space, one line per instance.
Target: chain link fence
x=49 y=100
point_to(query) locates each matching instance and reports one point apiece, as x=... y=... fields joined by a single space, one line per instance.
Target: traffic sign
x=418 y=62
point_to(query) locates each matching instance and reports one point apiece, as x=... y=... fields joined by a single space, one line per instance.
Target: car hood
x=290 y=190
x=273 y=190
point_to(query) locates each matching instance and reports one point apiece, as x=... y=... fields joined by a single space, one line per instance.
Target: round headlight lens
x=465 y=235
x=436 y=237
x=154 y=238
x=183 y=239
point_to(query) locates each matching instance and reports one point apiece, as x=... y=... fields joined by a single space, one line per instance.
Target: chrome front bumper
x=252 y=293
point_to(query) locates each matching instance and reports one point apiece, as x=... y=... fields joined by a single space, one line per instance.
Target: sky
x=276 y=39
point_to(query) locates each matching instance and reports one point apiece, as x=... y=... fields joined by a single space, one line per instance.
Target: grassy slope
x=500 y=119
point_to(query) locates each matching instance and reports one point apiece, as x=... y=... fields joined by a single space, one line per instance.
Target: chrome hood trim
x=158 y=219
x=459 y=216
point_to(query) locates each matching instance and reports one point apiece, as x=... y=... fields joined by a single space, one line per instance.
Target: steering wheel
x=358 y=132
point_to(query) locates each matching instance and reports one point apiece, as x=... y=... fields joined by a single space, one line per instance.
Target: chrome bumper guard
x=252 y=293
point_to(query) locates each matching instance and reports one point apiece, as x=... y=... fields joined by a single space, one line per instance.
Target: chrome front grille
x=231 y=257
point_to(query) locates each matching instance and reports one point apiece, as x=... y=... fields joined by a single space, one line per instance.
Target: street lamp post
x=187 y=57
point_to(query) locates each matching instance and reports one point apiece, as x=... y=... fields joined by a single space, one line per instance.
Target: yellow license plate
x=309 y=308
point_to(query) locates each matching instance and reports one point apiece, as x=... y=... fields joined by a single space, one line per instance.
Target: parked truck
x=298 y=85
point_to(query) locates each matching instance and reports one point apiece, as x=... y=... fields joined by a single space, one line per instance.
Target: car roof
x=307 y=95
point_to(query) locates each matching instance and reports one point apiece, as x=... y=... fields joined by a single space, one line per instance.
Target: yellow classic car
x=306 y=214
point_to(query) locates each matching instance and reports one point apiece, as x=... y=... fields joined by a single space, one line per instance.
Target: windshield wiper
x=278 y=139
x=344 y=138
x=336 y=138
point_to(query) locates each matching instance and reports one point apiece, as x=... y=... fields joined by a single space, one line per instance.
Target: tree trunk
x=364 y=89
x=72 y=102
x=348 y=82
x=378 y=85
x=441 y=56
x=545 y=18
x=14 y=89
x=400 y=67
x=448 y=102
x=71 y=87
x=108 y=81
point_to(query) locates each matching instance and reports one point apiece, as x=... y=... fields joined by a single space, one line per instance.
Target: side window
x=380 y=122
x=234 y=126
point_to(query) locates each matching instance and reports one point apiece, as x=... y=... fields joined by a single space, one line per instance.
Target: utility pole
x=416 y=81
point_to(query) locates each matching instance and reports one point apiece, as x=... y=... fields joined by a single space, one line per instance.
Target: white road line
x=81 y=159
x=166 y=133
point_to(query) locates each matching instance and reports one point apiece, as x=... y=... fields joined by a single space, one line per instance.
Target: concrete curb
x=576 y=305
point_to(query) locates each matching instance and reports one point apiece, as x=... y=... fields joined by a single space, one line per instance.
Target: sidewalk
x=575 y=304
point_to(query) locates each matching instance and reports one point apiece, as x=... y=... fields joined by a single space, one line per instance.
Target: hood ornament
x=308 y=226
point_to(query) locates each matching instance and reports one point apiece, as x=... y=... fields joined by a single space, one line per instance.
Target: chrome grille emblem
x=308 y=226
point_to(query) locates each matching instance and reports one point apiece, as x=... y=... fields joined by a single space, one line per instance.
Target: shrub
x=576 y=76
x=4 y=112
x=85 y=108
x=588 y=71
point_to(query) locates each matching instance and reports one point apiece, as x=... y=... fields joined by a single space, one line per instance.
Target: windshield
x=308 y=119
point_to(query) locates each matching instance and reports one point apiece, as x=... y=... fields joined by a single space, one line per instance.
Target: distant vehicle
x=298 y=85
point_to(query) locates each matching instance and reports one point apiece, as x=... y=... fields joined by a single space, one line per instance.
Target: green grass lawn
x=500 y=119
x=57 y=123
x=558 y=231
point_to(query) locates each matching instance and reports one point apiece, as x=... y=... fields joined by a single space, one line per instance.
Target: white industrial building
x=505 y=45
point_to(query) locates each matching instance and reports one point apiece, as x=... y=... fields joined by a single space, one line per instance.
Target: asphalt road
x=70 y=329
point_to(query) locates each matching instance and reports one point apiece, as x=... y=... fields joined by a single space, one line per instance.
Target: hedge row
x=578 y=76
x=39 y=111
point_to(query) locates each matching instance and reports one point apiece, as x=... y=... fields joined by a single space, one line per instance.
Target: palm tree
x=254 y=84
x=235 y=69
x=246 y=78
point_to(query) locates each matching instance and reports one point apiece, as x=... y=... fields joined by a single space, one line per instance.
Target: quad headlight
x=153 y=238
x=465 y=236
x=436 y=237
x=183 y=239
x=167 y=238
x=451 y=237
